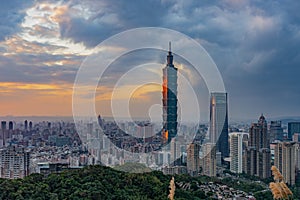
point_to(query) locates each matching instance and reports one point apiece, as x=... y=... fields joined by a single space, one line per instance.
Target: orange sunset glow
x=42 y=99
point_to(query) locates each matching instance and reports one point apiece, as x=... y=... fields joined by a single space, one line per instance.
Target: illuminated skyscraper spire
x=170 y=58
x=169 y=99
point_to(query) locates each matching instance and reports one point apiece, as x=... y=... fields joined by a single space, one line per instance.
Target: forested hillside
x=98 y=182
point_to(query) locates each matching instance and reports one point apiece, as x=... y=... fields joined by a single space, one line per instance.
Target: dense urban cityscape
x=148 y=99
x=217 y=149
x=50 y=147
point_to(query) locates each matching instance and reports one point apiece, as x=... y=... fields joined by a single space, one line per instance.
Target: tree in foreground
x=279 y=189
x=172 y=189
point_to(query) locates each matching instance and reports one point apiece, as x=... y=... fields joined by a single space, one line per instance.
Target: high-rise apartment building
x=169 y=99
x=219 y=122
x=258 y=135
x=236 y=152
x=296 y=137
x=193 y=159
x=14 y=163
x=145 y=131
x=30 y=125
x=10 y=125
x=285 y=160
x=250 y=161
x=263 y=162
x=25 y=124
x=257 y=157
x=3 y=133
x=297 y=161
x=3 y=125
x=208 y=159
x=293 y=127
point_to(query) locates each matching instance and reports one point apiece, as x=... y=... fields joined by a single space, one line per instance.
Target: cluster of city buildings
x=251 y=151
x=217 y=191
x=265 y=145
x=26 y=148
x=47 y=147
x=224 y=192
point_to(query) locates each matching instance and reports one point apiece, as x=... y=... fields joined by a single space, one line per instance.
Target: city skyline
x=41 y=48
x=89 y=88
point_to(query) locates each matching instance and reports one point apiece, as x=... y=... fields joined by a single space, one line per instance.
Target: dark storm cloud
x=257 y=51
x=255 y=44
x=30 y=69
x=82 y=31
x=11 y=15
x=111 y=17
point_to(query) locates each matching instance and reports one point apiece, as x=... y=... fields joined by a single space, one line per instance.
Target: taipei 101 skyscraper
x=169 y=99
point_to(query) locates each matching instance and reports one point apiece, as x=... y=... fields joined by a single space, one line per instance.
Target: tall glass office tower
x=219 y=122
x=169 y=99
x=293 y=127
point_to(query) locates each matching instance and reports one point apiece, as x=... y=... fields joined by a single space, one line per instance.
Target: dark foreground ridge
x=99 y=182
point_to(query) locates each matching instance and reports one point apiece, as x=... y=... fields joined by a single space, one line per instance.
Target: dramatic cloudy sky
x=255 y=44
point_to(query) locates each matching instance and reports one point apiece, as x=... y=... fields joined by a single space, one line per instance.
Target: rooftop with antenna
x=170 y=56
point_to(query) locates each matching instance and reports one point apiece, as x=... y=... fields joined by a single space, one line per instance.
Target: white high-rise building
x=14 y=163
x=297 y=156
x=178 y=147
x=145 y=131
x=236 y=152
